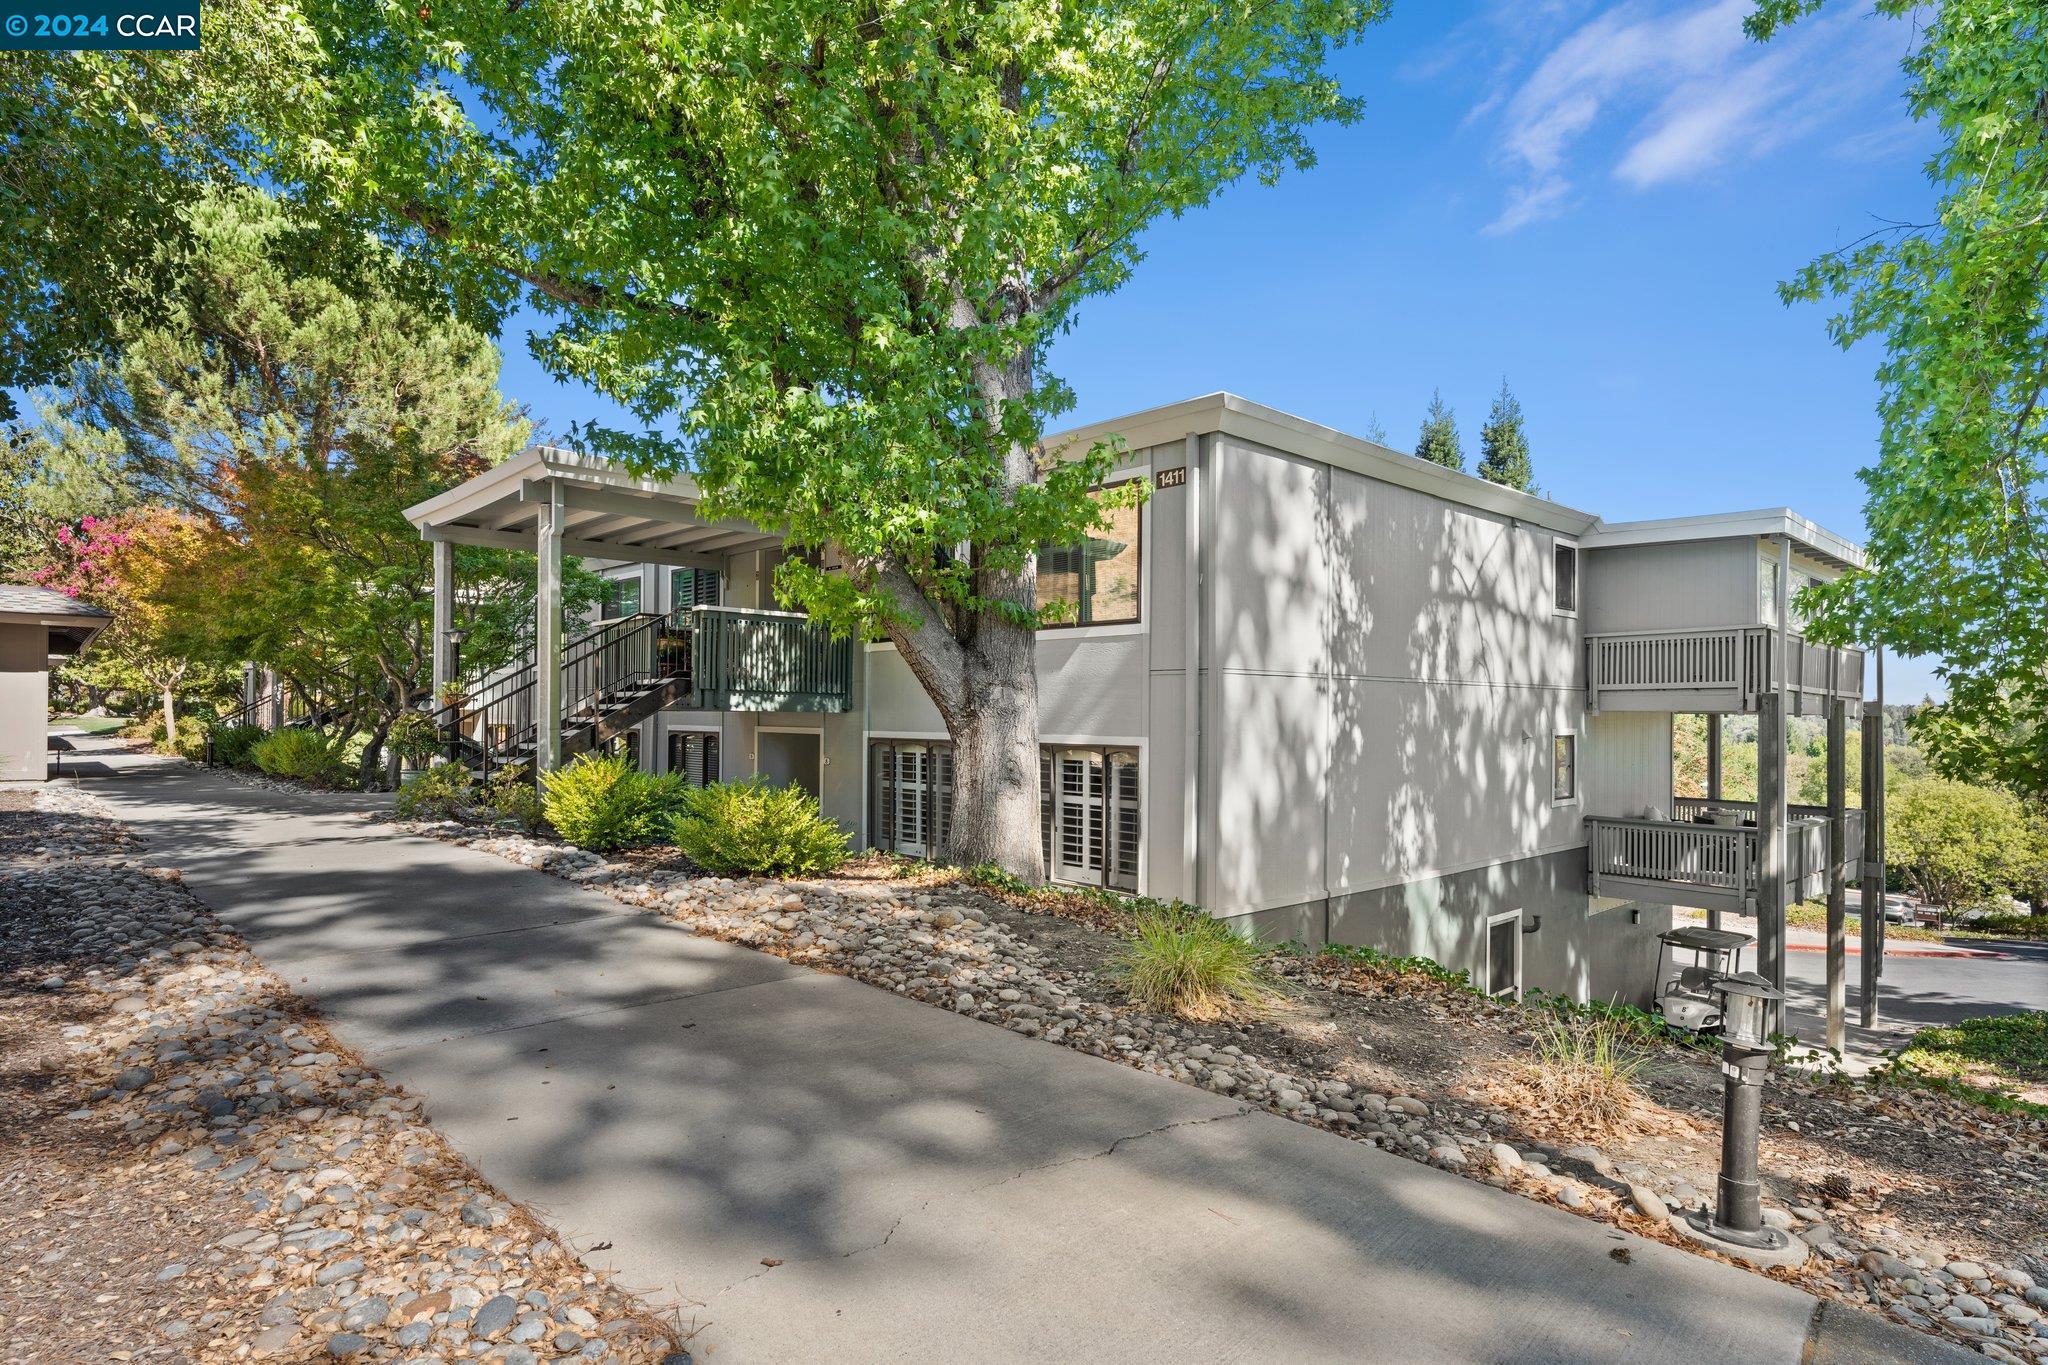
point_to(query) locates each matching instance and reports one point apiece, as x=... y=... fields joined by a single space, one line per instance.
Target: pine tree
x=1439 y=442
x=1375 y=430
x=1504 y=446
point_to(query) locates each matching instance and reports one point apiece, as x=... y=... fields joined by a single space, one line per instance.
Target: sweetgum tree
x=821 y=249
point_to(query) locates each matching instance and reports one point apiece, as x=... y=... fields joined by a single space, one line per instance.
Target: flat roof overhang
x=608 y=512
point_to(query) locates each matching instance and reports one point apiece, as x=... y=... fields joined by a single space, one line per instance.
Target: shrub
x=232 y=743
x=433 y=794
x=754 y=829
x=1985 y=1061
x=1584 y=1071
x=1180 y=961
x=2022 y=926
x=414 y=738
x=301 y=754
x=512 y=796
x=602 y=802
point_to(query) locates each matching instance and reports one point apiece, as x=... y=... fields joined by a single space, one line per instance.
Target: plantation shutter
x=882 y=800
x=692 y=588
x=694 y=754
x=1122 y=860
x=1045 y=805
x=1078 y=816
x=941 y=799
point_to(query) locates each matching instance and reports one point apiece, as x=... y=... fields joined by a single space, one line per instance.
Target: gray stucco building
x=1317 y=687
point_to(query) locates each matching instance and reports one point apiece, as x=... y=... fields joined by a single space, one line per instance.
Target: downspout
x=1191 y=675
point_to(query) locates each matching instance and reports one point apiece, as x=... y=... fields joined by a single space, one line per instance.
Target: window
x=694 y=754
x=1088 y=808
x=1503 y=975
x=1564 y=768
x=626 y=743
x=621 y=597
x=692 y=588
x=1767 y=592
x=1565 y=577
x=1097 y=579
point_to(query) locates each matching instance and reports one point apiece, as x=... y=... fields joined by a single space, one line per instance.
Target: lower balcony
x=1708 y=855
x=738 y=659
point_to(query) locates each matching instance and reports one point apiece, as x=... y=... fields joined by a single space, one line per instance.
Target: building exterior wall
x=24 y=702
x=1677 y=586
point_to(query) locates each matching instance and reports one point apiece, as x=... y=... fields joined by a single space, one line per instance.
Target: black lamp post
x=1749 y=1017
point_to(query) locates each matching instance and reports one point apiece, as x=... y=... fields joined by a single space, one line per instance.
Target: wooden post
x=1713 y=755
x=1873 y=852
x=444 y=616
x=1838 y=853
x=547 y=635
x=1770 y=824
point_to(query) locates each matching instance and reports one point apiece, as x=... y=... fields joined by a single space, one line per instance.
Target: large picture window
x=1097 y=579
x=1088 y=808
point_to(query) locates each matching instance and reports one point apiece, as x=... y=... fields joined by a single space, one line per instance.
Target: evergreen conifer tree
x=1439 y=442
x=1504 y=446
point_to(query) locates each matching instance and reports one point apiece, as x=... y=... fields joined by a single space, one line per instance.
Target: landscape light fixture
x=1750 y=1008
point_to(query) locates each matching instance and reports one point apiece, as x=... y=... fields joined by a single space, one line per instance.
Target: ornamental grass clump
x=755 y=829
x=1583 y=1072
x=1180 y=961
x=602 y=802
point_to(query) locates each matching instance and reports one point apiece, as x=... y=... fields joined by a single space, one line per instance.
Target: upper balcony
x=1714 y=670
x=1708 y=856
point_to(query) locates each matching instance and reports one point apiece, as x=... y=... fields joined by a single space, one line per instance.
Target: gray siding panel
x=1677 y=586
x=1625 y=763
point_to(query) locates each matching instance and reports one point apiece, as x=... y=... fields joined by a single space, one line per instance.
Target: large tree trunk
x=980 y=669
x=170 y=700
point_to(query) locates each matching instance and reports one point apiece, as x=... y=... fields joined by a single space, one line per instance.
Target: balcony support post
x=547 y=635
x=1771 y=819
x=444 y=615
x=1713 y=755
x=1838 y=852
x=1873 y=853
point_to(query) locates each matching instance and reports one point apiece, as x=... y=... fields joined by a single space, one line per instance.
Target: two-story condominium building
x=1314 y=686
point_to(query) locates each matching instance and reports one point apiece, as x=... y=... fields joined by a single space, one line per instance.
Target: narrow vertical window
x=1564 y=767
x=1565 y=577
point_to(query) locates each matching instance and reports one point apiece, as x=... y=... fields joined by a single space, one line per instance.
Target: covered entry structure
x=37 y=627
x=577 y=693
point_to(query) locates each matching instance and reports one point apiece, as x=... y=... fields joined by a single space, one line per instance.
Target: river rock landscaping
x=193 y=1169
x=1915 y=1205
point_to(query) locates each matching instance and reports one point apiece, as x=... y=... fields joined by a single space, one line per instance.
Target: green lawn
x=1987 y=1061
x=92 y=725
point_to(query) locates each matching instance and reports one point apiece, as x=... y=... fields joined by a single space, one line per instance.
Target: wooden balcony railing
x=1735 y=662
x=1680 y=862
x=745 y=660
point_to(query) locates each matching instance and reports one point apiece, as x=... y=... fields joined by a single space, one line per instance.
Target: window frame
x=1486 y=955
x=1559 y=544
x=615 y=584
x=1570 y=798
x=1137 y=616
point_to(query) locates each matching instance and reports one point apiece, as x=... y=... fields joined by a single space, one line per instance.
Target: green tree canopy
x=1439 y=442
x=1960 y=845
x=1504 y=446
x=828 y=246
x=292 y=401
x=1957 y=502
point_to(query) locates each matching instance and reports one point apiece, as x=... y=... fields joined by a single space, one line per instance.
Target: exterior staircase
x=625 y=670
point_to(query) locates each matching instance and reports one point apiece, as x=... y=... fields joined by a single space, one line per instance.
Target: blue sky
x=1594 y=200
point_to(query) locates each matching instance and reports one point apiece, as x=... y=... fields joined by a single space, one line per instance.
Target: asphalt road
x=1918 y=991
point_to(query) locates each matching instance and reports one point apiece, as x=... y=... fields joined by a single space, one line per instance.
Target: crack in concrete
x=1242 y=1111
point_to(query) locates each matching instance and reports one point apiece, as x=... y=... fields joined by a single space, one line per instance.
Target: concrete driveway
x=816 y=1169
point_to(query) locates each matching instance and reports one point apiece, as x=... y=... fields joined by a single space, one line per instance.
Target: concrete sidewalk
x=816 y=1169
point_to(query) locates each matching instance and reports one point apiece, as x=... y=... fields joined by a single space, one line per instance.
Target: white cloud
x=1666 y=94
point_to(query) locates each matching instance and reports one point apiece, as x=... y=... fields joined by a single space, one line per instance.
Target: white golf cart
x=1689 y=959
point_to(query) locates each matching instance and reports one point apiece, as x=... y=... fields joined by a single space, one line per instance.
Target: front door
x=790 y=757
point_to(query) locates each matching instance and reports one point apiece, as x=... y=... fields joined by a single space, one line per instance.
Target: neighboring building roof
x=70 y=622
